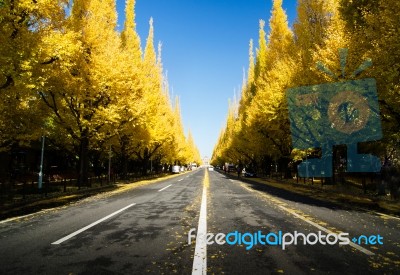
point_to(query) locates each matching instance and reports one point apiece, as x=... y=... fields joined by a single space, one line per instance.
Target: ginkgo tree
x=67 y=73
x=24 y=26
x=261 y=129
x=268 y=116
x=81 y=89
x=373 y=32
x=131 y=105
x=158 y=114
x=328 y=42
x=192 y=153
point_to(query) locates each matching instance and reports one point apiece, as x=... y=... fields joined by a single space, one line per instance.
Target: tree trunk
x=145 y=162
x=84 y=162
x=266 y=164
x=124 y=159
x=284 y=163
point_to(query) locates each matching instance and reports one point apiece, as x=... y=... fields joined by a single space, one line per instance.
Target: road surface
x=148 y=229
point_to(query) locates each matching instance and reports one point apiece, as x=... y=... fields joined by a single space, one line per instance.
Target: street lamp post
x=40 y=181
x=109 y=165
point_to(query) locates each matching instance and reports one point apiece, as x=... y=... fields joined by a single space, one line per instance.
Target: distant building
x=206 y=161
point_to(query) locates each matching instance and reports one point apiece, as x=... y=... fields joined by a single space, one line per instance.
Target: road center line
x=164 y=188
x=356 y=246
x=180 y=180
x=91 y=225
x=200 y=252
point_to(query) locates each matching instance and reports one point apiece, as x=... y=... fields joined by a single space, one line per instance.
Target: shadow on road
x=321 y=197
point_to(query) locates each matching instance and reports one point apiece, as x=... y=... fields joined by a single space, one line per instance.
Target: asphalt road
x=146 y=230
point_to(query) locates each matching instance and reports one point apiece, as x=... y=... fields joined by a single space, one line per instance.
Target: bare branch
x=51 y=60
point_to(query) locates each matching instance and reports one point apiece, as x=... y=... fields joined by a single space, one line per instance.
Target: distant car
x=249 y=173
x=176 y=169
x=210 y=168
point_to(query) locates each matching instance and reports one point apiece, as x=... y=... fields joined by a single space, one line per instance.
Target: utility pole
x=40 y=181
x=109 y=165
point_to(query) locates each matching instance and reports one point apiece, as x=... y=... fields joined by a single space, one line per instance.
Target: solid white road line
x=164 y=188
x=91 y=225
x=200 y=252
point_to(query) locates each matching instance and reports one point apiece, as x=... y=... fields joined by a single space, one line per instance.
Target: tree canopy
x=327 y=43
x=86 y=86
